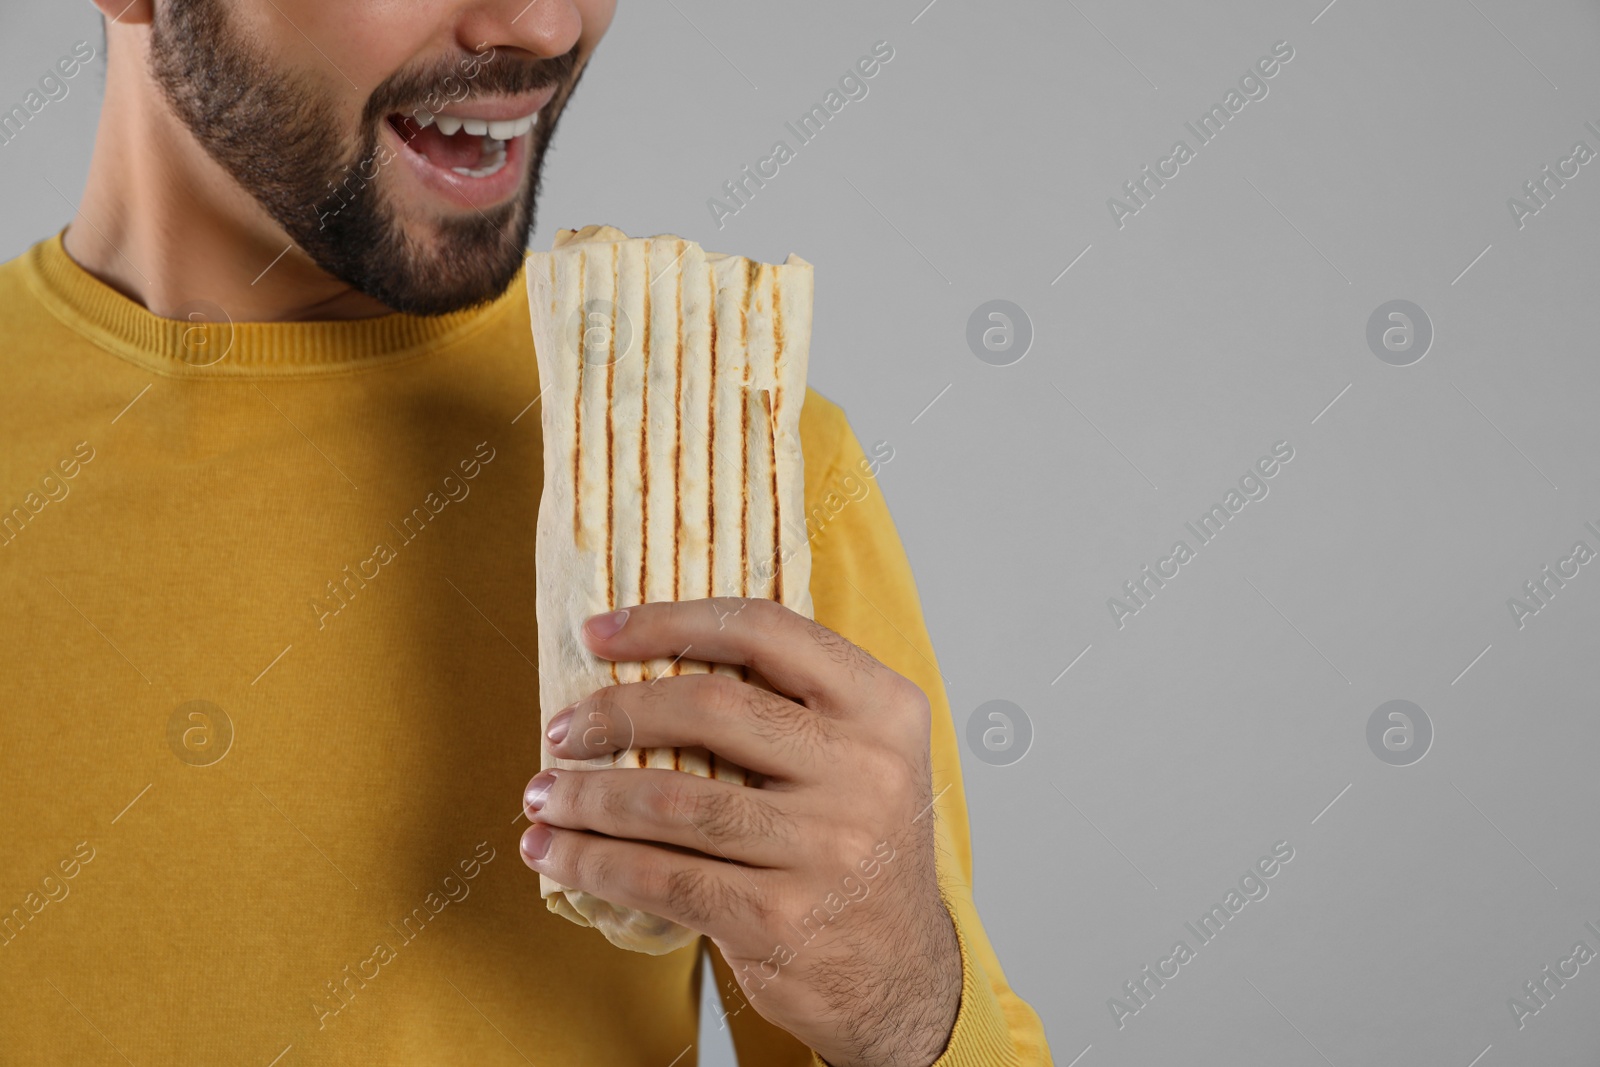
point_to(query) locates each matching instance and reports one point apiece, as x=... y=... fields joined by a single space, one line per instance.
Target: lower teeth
x=494 y=158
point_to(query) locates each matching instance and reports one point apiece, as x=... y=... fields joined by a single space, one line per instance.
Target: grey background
x=1222 y=318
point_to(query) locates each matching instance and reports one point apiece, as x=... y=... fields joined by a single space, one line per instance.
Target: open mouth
x=473 y=148
x=469 y=160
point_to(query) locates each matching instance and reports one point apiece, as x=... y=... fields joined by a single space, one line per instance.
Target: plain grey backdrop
x=1175 y=342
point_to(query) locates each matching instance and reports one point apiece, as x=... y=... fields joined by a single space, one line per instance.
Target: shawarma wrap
x=671 y=382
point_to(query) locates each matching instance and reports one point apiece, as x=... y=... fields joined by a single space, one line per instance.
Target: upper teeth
x=500 y=130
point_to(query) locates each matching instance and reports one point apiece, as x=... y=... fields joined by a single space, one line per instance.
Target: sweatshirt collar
x=210 y=346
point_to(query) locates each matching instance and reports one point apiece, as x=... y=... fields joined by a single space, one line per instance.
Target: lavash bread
x=671 y=383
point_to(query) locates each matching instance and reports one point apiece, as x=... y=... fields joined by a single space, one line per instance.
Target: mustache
x=468 y=76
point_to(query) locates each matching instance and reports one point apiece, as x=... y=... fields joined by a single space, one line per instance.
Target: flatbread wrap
x=671 y=382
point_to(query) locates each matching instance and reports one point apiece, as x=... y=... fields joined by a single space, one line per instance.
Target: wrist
x=921 y=1005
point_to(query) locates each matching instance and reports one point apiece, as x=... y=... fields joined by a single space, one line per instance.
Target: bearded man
x=271 y=468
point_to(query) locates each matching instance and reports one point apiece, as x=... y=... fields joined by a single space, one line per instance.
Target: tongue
x=461 y=149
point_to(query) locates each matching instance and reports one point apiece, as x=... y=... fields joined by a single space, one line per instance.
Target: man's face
x=399 y=144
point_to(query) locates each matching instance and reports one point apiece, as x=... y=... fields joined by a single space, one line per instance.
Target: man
x=271 y=474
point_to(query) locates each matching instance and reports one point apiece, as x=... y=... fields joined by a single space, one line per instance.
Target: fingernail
x=538 y=789
x=560 y=724
x=604 y=626
x=535 y=842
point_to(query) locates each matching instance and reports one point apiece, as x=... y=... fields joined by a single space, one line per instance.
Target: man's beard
x=283 y=144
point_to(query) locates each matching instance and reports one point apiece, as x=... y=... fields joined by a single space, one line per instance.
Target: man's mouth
x=473 y=154
x=473 y=148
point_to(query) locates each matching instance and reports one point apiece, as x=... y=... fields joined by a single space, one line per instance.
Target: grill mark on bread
x=577 y=415
x=776 y=399
x=744 y=306
x=711 y=457
x=644 y=443
x=611 y=448
x=711 y=448
x=677 y=466
x=677 y=444
x=772 y=471
x=751 y=274
x=744 y=493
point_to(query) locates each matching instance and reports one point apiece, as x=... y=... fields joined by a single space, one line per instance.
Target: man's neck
x=164 y=225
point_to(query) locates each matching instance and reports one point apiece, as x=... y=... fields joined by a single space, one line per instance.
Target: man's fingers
x=798 y=656
x=755 y=728
x=723 y=820
x=715 y=897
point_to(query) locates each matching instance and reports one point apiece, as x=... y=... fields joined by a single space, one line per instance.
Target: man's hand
x=818 y=884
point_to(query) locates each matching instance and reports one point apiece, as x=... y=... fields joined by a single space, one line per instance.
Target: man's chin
x=464 y=263
x=427 y=266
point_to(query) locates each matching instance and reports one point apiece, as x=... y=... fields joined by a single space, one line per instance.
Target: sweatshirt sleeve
x=862 y=587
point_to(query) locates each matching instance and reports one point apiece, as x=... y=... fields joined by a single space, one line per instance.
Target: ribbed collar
x=177 y=348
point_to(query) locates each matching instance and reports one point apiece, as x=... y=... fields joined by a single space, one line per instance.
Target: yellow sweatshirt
x=269 y=701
